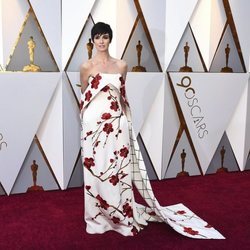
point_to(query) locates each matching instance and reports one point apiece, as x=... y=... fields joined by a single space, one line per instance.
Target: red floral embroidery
x=152 y=213
x=95 y=82
x=88 y=95
x=208 y=226
x=114 y=106
x=103 y=203
x=124 y=152
x=123 y=175
x=108 y=128
x=88 y=162
x=123 y=92
x=181 y=212
x=89 y=133
x=116 y=220
x=106 y=116
x=134 y=231
x=114 y=179
x=81 y=104
x=127 y=210
x=189 y=230
x=122 y=80
x=106 y=88
x=87 y=187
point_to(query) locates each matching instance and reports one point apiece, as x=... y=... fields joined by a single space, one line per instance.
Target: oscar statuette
x=183 y=172
x=89 y=46
x=31 y=67
x=139 y=68
x=227 y=69
x=222 y=169
x=34 y=168
x=186 y=68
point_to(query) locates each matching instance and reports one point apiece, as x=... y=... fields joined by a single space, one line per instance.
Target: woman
x=111 y=157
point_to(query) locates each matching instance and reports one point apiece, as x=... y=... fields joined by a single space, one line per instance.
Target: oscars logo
x=194 y=107
x=2 y=142
x=139 y=68
x=186 y=68
x=34 y=168
x=227 y=69
x=31 y=67
x=183 y=158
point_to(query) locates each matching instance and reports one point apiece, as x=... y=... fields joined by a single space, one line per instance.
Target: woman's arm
x=84 y=76
x=123 y=68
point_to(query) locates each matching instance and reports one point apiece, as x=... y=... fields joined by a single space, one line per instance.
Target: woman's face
x=101 y=42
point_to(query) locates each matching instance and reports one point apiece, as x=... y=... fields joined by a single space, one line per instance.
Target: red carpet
x=54 y=220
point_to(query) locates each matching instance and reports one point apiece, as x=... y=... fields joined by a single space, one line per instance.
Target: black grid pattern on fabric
x=139 y=175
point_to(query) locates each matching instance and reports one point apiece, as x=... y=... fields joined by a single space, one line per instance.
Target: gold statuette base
x=31 y=68
x=222 y=170
x=226 y=70
x=139 y=69
x=182 y=173
x=35 y=188
x=185 y=69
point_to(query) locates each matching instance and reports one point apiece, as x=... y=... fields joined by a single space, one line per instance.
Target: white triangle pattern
x=50 y=21
x=25 y=112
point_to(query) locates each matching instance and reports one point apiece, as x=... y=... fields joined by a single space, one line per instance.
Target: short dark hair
x=101 y=28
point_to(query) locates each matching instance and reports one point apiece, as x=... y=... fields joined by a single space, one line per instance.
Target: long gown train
x=112 y=163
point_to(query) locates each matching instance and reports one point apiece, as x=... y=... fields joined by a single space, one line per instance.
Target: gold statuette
x=139 y=68
x=89 y=46
x=183 y=172
x=186 y=68
x=31 y=67
x=222 y=169
x=34 y=168
x=227 y=69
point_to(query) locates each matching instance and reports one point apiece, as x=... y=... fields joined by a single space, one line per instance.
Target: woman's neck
x=102 y=57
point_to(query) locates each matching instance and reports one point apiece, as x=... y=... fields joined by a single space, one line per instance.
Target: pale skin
x=102 y=62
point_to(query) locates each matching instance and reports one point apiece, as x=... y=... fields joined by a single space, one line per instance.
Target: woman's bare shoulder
x=122 y=65
x=86 y=66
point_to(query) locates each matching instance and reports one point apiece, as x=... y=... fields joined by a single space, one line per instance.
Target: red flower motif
x=208 y=226
x=116 y=220
x=89 y=133
x=152 y=213
x=108 y=128
x=106 y=88
x=97 y=143
x=123 y=92
x=103 y=203
x=127 y=210
x=88 y=162
x=106 y=116
x=95 y=82
x=81 y=104
x=87 y=187
x=114 y=106
x=189 y=230
x=124 y=152
x=88 y=95
x=134 y=231
x=123 y=175
x=180 y=212
x=114 y=179
x=122 y=80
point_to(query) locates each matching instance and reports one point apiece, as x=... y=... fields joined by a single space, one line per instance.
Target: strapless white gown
x=112 y=162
